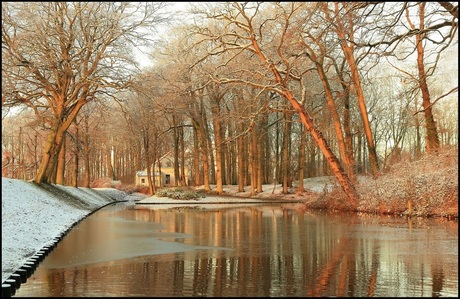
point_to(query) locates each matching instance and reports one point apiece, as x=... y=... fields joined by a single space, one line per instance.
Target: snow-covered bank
x=32 y=216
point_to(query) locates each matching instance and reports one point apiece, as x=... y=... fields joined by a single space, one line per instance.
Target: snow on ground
x=32 y=216
x=269 y=192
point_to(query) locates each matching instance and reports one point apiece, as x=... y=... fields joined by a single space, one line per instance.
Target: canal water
x=269 y=250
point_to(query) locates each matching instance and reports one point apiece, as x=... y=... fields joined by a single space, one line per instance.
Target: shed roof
x=144 y=173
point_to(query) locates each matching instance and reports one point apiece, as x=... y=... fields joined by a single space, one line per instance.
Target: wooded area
x=240 y=93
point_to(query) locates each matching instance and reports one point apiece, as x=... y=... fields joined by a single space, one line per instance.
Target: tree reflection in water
x=251 y=250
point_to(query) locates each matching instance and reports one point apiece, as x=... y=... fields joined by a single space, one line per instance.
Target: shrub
x=178 y=193
x=431 y=183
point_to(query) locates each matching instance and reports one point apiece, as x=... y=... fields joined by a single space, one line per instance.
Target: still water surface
x=248 y=250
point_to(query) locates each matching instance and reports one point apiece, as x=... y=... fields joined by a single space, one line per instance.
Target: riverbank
x=429 y=185
x=32 y=216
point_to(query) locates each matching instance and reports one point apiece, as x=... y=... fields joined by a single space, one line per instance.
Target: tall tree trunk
x=277 y=170
x=61 y=163
x=302 y=158
x=359 y=165
x=205 y=160
x=110 y=172
x=363 y=110
x=176 y=151
x=246 y=159
x=311 y=171
x=348 y=138
x=160 y=179
x=348 y=50
x=49 y=153
x=154 y=176
x=225 y=166
x=335 y=115
x=211 y=167
x=116 y=161
x=215 y=110
x=418 y=139
x=35 y=154
x=196 y=156
x=21 y=164
x=432 y=137
x=232 y=156
x=184 y=180
x=86 y=151
x=205 y=144
x=259 y=163
x=75 y=172
x=76 y=153
x=264 y=152
x=146 y=139
x=285 y=151
x=252 y=163
x=267 y=163
x=347 y=126
x=240 y=153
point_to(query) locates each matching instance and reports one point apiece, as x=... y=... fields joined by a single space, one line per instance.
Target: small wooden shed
x=141 y=178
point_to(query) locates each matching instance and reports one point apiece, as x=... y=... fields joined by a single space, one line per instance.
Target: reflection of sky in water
x=119 y=238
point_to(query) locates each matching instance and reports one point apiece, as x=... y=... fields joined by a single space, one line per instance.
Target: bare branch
x=434 y=102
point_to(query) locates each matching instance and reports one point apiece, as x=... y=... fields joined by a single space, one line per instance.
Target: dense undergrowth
x=430 y=184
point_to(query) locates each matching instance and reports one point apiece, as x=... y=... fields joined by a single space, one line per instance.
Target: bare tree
x=432 y=138
x=319 y=47
x=342 y=20
x=58 y=56
x=435 y=30
x=249 y=29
